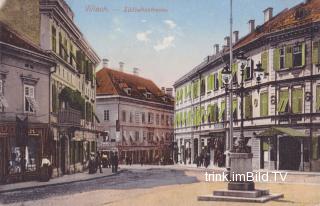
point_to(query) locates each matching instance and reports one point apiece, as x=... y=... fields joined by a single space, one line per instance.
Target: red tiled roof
x=10 y=36
x=112 y=82
x=285 y=20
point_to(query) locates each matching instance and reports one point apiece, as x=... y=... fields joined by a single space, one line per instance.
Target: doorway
x=63 y=154
x=289 y=153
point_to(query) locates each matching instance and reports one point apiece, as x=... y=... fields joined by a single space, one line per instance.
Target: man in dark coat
x=116 y=159
x=98 y=162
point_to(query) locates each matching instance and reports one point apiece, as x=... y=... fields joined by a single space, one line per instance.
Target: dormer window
x=300 y=13
x=128 y=91
x=147 y=95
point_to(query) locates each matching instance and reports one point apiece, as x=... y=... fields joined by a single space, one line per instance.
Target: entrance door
x=289 y=152
x=63 y=155
x=2 y=160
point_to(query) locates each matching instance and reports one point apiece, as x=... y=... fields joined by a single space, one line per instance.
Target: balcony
x=69 y=117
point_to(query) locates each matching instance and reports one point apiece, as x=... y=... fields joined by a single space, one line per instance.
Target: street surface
x=156 y=185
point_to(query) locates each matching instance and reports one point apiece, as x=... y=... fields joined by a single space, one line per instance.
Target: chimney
x=268 y=14
x=216 y=48
x=121 y=66
x=227 y=41
x=135 y=71
x=105 y=63
x=235 y=36
x=169 y=91
x=251 y=25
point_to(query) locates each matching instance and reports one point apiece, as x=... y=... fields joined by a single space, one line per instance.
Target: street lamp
x=259 y=73
x=226 y=76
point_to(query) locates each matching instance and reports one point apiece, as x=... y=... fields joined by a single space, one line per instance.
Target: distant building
x=136 y=117
x=24 y=106
x=281 y=115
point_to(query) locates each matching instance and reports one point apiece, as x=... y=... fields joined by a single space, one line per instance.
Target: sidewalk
x=65 y=179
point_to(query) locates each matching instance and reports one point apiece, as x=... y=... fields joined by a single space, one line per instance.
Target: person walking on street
x=116 y=163
x=112 y=162
x=98 y=162
x=141 y=161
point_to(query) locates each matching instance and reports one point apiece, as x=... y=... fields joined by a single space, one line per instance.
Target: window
x=162 y=119
x=30 y=105
x=1 y=87
x=157 y=119
x=131 y=117
x=235 y=109
x=296 y=100
x=60 y=45
x=234 y=73
x=136 y=136
x=54 y=39
x=248 y=106
x=318 y=98
x=297 y=56
x=222 y=110
x=106 y=115
x=264 y=104
x=216 y=81
x=283 y=101
x=203 y=87
x=282 y=58
x=150 y=118
x=137 y=117
x=143 y=118
x=3 y=101
x=65 y=49
x=124 y=116
x=167 y=120
x=248 y=70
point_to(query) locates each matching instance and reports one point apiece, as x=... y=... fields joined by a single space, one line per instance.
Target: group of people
x=203 y=160
x=98 y=160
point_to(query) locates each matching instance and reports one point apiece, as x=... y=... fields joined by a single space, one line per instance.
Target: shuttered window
x=210 y=82
x=296 y=100
x=220 y=79
x=265 y=60
x=283 y=101
x=248 y=106
x=315 y=52
x=195 y=91
x=264 y=104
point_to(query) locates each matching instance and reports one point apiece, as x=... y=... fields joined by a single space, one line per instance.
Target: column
x=192 y=149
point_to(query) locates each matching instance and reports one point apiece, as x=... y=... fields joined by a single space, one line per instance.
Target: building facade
x=72 y=88
x=136 y=117
x=24 y=106
x=281 y=114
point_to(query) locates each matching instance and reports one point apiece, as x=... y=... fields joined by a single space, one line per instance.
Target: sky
x=171 y=38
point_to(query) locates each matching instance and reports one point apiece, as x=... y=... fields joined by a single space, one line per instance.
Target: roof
x=113 y=82
x=272 y=131
x=286 y=19
x=10 y=36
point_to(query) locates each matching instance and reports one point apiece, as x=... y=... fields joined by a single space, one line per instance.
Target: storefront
x=21 y=150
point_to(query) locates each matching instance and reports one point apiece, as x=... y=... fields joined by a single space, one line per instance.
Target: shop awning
x=287 y=131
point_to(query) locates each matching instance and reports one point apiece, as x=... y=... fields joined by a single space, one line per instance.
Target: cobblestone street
x=156 y=185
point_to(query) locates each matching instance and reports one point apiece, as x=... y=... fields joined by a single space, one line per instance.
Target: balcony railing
x=69 y=117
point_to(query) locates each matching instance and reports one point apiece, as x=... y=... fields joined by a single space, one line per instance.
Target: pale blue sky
x=164 y=45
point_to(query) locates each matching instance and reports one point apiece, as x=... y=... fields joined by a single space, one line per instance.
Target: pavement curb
x=59 y=183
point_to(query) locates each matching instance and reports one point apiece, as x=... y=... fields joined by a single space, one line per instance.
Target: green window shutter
x=211 y=81
x=220 y=79
x=283 y=100
x=265 y=146
x=289 y=57
x=315 y=52
x=297 y=100
x=248 y=106
x=209 y=115
x=265 y=60
x=264 y=104
x=276 y=59
x=185 y=92
x=234 y=68
x=208 y=83
x=318 y=99
x=303 y=49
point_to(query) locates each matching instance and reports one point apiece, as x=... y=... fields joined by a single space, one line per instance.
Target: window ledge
x=291 y=69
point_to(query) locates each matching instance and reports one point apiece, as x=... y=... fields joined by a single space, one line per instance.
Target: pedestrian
x=98 y=162
x=112 y=162
x=141 y=161
x=116 y=163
